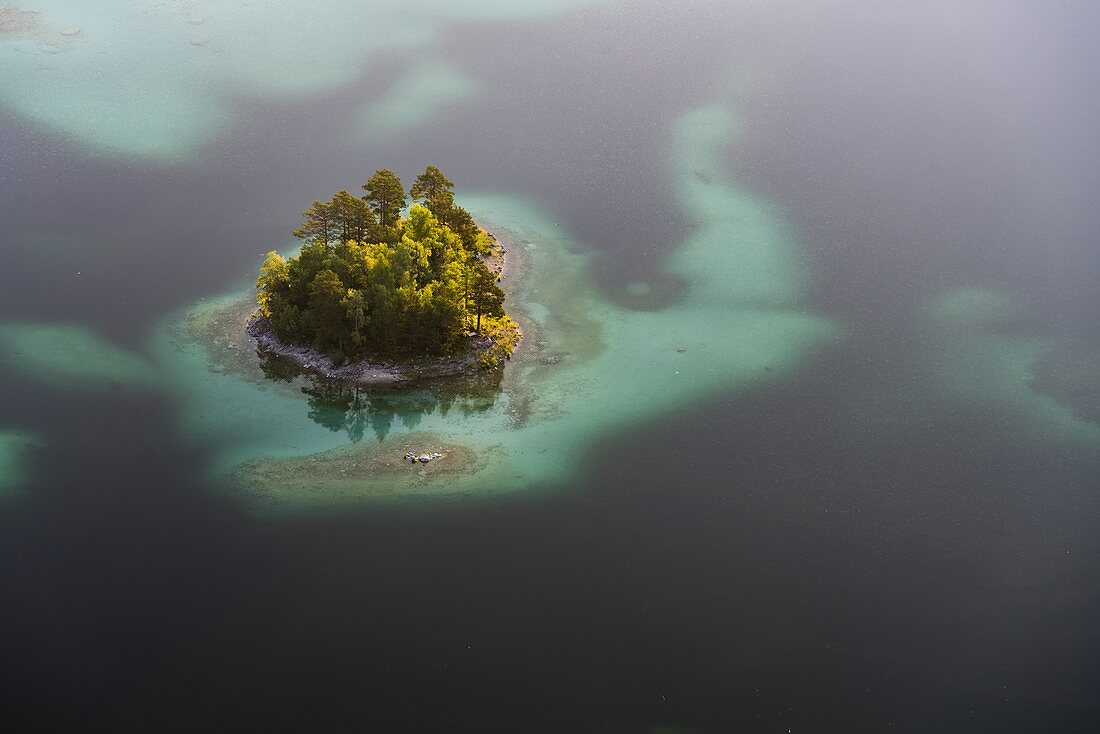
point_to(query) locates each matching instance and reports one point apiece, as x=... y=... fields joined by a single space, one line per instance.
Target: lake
x=804 y=435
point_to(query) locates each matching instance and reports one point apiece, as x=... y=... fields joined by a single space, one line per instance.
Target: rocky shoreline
x=467 y=363
x=366 y=372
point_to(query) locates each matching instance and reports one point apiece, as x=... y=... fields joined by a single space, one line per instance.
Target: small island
x=375 y=296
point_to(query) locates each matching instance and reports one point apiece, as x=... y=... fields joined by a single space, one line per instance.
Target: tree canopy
x=386 y=196
x=433 y=189
x=368 y=281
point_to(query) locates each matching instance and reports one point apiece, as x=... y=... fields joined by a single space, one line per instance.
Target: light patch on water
x=587 y=367
x=14 y=446
x=985 y=366
x=741 y=250
x=1070 y=374
x=66 y=356
x=420 y=95
x=158 y=80
x=971 y=308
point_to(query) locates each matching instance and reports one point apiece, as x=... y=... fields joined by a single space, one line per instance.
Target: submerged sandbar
x=377 y=470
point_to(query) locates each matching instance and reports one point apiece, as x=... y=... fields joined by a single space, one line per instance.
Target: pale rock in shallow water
x=422 y=458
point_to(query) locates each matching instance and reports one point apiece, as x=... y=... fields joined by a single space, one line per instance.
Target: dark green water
x=891 y=528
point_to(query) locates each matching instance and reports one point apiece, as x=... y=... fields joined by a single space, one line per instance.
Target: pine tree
x=487 y=296
x=353 y=219
x=386 y=196
x=319 y=223
x=368 y=282
x=435 y=191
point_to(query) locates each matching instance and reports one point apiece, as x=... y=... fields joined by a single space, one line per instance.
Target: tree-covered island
x=372 y=286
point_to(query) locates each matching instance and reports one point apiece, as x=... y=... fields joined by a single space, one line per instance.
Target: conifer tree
x=386 y=196
x=354 y=219
x=487 y=296
x=319 y=223
x=368 y=282
x=435 y=191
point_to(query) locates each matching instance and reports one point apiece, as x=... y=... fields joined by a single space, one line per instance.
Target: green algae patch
x=68 y=356
x=14 y=447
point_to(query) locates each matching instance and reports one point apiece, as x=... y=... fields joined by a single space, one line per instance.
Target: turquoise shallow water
x=739 y=325
x=804 y=434
x=186 y=61
x=996 y=371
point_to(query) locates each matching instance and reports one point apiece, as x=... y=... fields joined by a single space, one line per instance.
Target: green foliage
x=354 y=219
x=434 y=190
x=325 y=317
x=473 y=238
x=369 y=282
x=318 y=224
x=485 y=296
x=273 y=282
x=386 y=196
x=344 y=219
x=504 y=335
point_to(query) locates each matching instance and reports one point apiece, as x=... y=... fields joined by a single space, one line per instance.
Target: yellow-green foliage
x=413 y=288
x=504 y=333
x=273 y=272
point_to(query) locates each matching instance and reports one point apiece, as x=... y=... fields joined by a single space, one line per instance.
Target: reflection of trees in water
x=276 y=368
x=342 y=406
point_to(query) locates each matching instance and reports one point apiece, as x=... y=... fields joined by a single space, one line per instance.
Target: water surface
x=863 y=498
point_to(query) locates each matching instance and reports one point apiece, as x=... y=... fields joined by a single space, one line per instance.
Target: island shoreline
x=390 y=372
